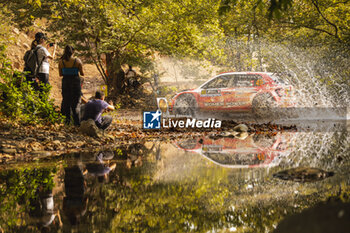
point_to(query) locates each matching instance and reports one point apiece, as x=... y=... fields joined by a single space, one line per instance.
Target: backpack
x=31 y=63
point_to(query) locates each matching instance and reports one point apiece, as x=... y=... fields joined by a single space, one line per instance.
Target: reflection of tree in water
x=27 y=190
x=209 y=199
x=135 y=153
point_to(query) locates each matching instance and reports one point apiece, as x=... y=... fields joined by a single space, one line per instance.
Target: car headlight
x=163 y=105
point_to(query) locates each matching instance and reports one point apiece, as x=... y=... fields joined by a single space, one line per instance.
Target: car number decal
x=259 y=82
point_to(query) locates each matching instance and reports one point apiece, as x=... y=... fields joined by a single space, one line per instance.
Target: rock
x=239 y=131
x=56 y=142
x=70 y=137
x=79 y=143
x=29 y=139
x=240 y=128
x=89 y=128
x=41 y=137
x=26 y=46
x=15 y=30
x=8 y=150
x=10 y=145
x=41 y=153
x=60 y=138
x=303 y=174
x=21 y=145
x=242 y=135
x=108 y=136
x=36 y=146
x=95 y=143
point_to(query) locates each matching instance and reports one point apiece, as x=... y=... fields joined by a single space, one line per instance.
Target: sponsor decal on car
x=214 y=92
x=239 y=103
x=211 y=148
x=209 y=104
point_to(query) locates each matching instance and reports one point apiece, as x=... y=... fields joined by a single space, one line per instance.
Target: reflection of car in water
x=256 y=150
x=231 y=92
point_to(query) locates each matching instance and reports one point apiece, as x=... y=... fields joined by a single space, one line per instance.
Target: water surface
x=202 y=184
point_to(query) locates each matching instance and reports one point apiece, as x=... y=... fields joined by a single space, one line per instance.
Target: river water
x=203 y=184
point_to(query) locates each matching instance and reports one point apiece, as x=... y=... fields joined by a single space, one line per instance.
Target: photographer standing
x=43 y=55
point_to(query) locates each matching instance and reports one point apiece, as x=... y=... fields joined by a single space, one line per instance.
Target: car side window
x=219 y=82
x=248 y=80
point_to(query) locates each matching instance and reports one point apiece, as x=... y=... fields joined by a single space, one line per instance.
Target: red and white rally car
x=252 y=151
x=233 y=92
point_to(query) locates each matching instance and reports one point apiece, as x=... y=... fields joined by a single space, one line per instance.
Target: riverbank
x=28 y=142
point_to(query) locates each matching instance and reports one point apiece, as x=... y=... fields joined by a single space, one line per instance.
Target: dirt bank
x=17 y=48
x=26 y=142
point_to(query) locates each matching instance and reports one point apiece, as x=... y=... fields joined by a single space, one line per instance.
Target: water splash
x=317 y=81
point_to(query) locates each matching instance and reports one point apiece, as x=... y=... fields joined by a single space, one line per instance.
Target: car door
x=211 y=95
x=242 y=92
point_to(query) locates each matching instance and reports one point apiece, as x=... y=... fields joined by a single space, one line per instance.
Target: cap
x=40 y=35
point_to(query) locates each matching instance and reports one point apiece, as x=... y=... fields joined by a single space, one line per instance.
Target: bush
x=167 y=91
x=19 y=100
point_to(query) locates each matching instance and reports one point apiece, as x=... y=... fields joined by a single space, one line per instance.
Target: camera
x=51 y=44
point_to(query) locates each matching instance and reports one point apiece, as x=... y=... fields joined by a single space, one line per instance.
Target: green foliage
x=17 y=187
x=232 y=34
x=278 y=6
x=21 y=102
x=18 y=99
x=130 y=32
x=167 y=91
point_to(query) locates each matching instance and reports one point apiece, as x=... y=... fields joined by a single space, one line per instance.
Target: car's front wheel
x=186 y=105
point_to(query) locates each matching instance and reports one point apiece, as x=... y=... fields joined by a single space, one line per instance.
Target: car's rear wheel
x=264 y=106
x=186 y=105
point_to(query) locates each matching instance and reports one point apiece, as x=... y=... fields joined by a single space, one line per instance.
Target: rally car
x=256 y=150
x=258 y=92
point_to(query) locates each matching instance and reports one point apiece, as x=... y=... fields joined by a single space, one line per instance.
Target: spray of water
x=317 y=81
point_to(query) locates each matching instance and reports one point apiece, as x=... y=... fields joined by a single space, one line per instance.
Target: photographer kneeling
x=94 y=109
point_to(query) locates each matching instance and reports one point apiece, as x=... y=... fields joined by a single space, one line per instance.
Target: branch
x=129 y=11
x=135 y=33
x=99 y=65
x=104 y=77
x=336 y=3
x=310 y=27
x=314 y=2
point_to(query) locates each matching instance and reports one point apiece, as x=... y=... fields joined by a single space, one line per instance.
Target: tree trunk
x=116 y=76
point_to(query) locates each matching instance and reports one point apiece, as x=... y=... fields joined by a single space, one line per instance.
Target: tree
x=111 y=33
